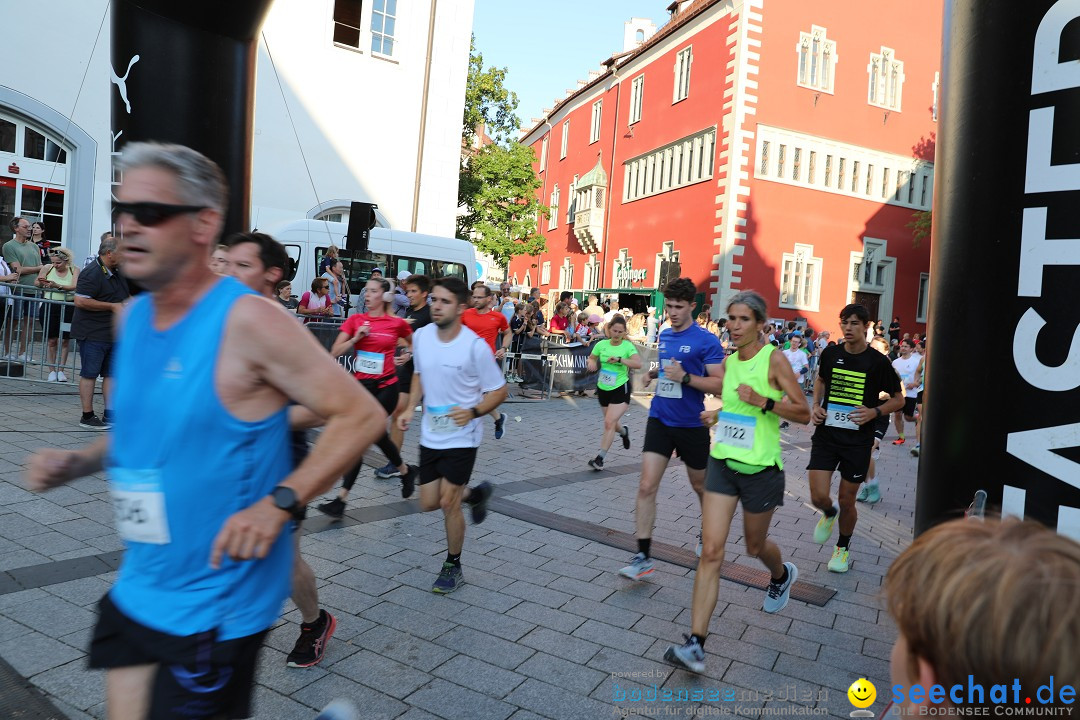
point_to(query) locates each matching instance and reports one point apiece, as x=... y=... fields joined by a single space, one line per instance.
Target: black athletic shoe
x=311 y=644
x=597 y=463
x=478 y=497
x=335 y=508
x=500 y=426
x=92 y=422
x=625 y=437
x=408 y=481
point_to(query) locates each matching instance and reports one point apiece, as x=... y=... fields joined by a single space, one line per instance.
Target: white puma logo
x=121 y=82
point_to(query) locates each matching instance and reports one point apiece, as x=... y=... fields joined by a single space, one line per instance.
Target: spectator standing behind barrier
x=283 y=294
x=315 y=305
x=331 y=275
x=59 y=278
x=37 y=235
x=24 y=258
x=99 y=295
x=7 y=275
x=401 y=299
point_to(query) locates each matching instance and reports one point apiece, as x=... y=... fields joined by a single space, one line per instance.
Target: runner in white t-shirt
x=458 y=380
x=800 y=363
x=905 y=367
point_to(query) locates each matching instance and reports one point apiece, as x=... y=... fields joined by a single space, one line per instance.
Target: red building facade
x=774 y=145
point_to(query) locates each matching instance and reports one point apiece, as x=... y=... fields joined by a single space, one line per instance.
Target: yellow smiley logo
x=862 y=693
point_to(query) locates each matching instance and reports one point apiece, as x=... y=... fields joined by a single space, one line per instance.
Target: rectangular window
x=545 y=274
x=923 y=195
x=553 y=218
x=594 y=128
x=800 y=279
x=543 y=154
x=810 y=168
x=854 y=176
x=764 y=169
x=869 y=179
x=383 y=19
x=780 y=160
x=680 y=163
x=840 y=174
x=637 y=89
x=828 y=170
x=796 y=161
x=886 y=76
x=347 y=23
x=571 y=201
x=565 y=135
x=924 y=297
x=817 y=55
x=682 y=74
x=885 y=183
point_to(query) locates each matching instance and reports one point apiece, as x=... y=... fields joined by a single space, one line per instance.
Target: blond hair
x=996 y=600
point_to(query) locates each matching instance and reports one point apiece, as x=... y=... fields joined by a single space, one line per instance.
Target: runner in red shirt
x=488 y=324
x=373 y=338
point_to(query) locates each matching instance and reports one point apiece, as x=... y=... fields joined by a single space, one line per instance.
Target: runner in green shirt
x=613 y=358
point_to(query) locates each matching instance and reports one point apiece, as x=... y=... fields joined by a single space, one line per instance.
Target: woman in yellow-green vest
x=745 y=465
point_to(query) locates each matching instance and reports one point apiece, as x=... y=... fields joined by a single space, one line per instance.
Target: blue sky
x=547 y=47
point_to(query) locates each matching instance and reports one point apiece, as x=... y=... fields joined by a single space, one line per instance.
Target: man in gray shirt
x=24 y=257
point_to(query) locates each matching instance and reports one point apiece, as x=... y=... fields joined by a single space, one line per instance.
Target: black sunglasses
x=150 y=214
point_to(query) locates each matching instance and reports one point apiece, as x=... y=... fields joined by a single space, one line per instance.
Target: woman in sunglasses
x=58 y=278
x=316 y=304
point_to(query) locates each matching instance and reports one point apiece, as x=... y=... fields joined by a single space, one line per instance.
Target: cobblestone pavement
x=544 y=627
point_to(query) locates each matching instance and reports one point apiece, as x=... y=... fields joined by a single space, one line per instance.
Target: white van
x=306 y=241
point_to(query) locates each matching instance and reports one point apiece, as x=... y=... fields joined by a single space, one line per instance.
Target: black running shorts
x=197 y=675
x=619 y=395
x=853 y=462
x=455 y=465
x=691 y=443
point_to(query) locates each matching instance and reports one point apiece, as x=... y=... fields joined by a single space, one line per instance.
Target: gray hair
x=199 y=181
x=752 y=300
x=107 y=245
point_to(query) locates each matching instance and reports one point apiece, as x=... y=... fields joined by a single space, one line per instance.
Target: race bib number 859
x=839 y=416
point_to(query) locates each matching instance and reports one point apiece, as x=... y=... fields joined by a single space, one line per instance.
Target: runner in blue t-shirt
x=691 y=359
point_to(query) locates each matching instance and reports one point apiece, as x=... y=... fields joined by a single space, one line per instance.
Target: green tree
x=488 y=101
x=497 y=184
x=920 y=226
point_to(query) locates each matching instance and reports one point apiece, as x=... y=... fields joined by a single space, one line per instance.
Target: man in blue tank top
x=199 y=472
x=691 y=364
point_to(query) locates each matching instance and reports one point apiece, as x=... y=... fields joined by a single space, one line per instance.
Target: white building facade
x=355 y=100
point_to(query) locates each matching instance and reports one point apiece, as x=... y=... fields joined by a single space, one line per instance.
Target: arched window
x=639 y=36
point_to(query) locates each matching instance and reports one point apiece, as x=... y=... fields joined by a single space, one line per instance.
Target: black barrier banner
x=570 y=368
x=1006 y=190
x=184 y=72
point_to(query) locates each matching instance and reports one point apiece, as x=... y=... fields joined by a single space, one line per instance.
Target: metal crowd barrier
x=28 y=319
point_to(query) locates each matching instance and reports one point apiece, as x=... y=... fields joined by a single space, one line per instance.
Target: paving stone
x=603 y=612
x=82 y=528
x=33 y=653
x=52 y=615
x=273 y=672
x=571 y=648
x=380 y=673
x=479 y=676
x=504 y=626
x=546 y=617
x=404 y=648
x=373 y=705
x=84 y=591
x=454 y=702
x=611 y=636
x=816 y=672
x=780 y=642
x=43 y=511
x=484 y=598
x=535 y=593
x=367 y=583
x=74 y=683
x=580 y=589
x=269 y=704
x=557 y=671
x=490 y=649
x=554 y=702
x=335 y=595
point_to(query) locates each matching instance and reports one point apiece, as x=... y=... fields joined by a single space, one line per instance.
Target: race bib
x=607 y=377
x=667 y=388
x=439 y=420
x=839 y=416
x=735 y=430
x=369 y=363
x=139 y=505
